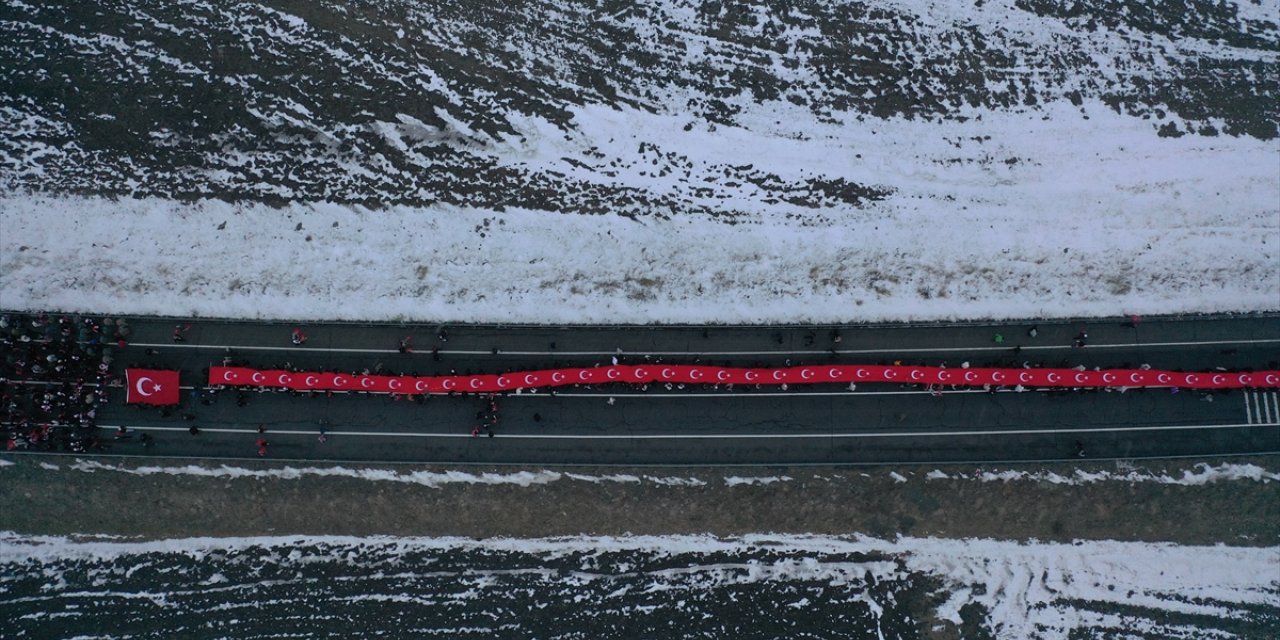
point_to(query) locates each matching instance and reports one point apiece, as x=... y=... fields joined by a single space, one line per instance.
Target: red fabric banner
x=685 y=374
x=151 y=386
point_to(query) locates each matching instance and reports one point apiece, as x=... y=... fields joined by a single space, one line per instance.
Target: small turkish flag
x=152 y=386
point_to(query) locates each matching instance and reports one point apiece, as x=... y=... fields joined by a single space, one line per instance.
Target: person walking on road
x=179 y=331
x=299 y=338
x=1080 y=338
x=261 y=443
x=406 y=344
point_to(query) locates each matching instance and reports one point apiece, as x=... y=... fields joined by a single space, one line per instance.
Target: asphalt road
x=819 y=424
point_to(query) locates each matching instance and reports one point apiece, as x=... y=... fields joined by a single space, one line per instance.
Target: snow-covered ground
x=1106 y=219
x=673 y=162
x=1033 y=590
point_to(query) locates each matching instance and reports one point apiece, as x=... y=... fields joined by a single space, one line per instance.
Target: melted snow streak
x=678 y=586
x=392 y=102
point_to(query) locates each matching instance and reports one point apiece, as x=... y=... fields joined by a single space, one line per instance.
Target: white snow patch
x=1089 y=217
x=734 y=481
x=1028 y=589
x=1202 y=473
x=432 y=479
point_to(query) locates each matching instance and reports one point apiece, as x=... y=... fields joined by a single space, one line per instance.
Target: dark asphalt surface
x=822 y=424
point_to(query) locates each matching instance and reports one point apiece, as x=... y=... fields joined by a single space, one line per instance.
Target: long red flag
x=694 y=374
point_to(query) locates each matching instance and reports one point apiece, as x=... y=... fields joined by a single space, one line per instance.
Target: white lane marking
x=489 y=352
x=1271 y=404
x=715 y=436
x=1248 y=408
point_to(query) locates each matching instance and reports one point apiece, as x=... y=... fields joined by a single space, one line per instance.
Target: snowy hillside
x=640 y=162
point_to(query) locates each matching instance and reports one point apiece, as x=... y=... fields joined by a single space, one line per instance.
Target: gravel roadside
x=1233 y=501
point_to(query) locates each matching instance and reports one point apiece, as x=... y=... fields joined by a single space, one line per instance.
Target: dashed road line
x=717 y=436
x=806 y=352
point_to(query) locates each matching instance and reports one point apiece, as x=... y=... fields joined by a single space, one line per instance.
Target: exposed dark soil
x=386 y=102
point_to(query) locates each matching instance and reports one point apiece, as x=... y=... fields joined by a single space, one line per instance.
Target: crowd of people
x=53 y=375
x=54 y=370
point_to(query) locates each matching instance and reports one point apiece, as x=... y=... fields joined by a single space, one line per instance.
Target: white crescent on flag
x=1024 y=377
x=970 y=376
x=475 y=383
x=420 y=385
x=365 y=383
x=1192 y=378
x=1135 y=378
x=528 y=378
x=695 y=374
x=833 y=373
x=226 y=375
x=1079 y=377
x=1053 y=377
x=447 y=384
x=666 y=374
x=284 y=378
x=257 y=376
x=1245 y=379
x=1217 y=379
x=638 y=373
x=557 y=377
x=1108 y=378
x=777 y=375
x=751 y=375
x=806 y=374
x=140 y=387
x=310 y=381
x=916 y=375
x=503 y=381
x=613 y=374
x=583 y=374
x=339 y=381
x=943 y=374
x=997 y=376
x=722 y=375
x=1270 y=379
x=889 y=374
x=393 y=384
x=861 y=373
